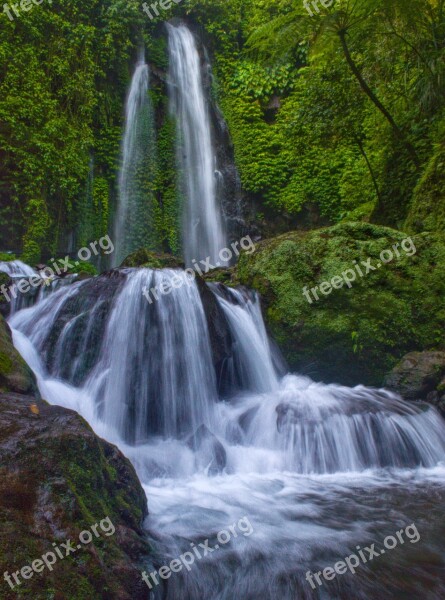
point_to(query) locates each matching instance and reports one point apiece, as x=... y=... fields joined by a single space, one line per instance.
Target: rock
x=221 y=340
x=418 y=376
x=57 y=479
x=15 y=375
x=209 y=450
x=153 y=260
x=96 y=294
x=5 y=305
x=358 y=334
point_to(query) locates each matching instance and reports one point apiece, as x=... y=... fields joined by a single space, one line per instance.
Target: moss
x=146 y=258
x=60 y=480
x=4 y=257
x=427 y=209
x=15 y=375
x=358 y=334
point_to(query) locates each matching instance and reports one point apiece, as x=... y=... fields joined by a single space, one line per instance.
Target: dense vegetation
x=338 y=116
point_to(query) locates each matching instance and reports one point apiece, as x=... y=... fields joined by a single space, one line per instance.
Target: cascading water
x=203 y=227
x=133 y=225
x=16 y=268
x=316 y=468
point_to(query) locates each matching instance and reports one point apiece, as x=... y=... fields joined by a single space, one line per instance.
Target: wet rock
x=221 y=339
x=57 y=479
x=5 y=305
x=15 y=375
x=419 y=376
x=153 y=260
x=209 y=450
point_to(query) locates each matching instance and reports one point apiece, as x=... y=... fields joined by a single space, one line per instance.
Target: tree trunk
x=365 y=87
x=371 y=171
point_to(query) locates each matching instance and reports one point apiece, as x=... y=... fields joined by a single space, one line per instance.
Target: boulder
x=354 y=334
x=57 y=479
x=153 y=260
x=419 y=376
x=15 y=375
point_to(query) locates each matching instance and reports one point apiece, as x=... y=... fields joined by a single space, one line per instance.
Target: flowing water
x=317 y=469
x=133 y=224
x=203 y=226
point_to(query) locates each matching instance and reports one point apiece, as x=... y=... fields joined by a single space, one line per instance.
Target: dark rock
x=5 y=305
x=96 y=295
x=418 y=376
x=209 y=450
x=15 y=375
x=221 y=339
x=57 y=479
x=153 y=260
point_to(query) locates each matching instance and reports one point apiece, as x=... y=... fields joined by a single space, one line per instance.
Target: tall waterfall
x=133 y=224
x=203 y=226
x=308 y=463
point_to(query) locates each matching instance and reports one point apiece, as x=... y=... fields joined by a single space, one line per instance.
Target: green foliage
x=63 y=77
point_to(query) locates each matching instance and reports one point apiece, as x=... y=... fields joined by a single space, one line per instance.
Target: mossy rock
x=15 y=375
x=152 y=260
x=353 y=335
x=58 y=479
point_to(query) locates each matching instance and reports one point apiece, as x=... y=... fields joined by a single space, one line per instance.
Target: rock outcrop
x=57 y=479
x=15 y=375
x=420 y=376
x=355 y=334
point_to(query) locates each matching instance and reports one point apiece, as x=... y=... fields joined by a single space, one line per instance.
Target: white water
x=17 y=268
x=316 y=468
x=203 y=226
x=132 y=223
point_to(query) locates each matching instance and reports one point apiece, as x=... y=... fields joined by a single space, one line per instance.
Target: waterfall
x=203 y=227
x=253 y=355
x=17 y=268
x=133 y=225
x=308 y=463
x=147 y=370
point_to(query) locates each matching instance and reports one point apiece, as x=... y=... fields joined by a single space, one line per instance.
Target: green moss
x=15 y=375
x=146 y=258
x=427 y=209
x=5 y=364
x=6 y=257
x=358 y=334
